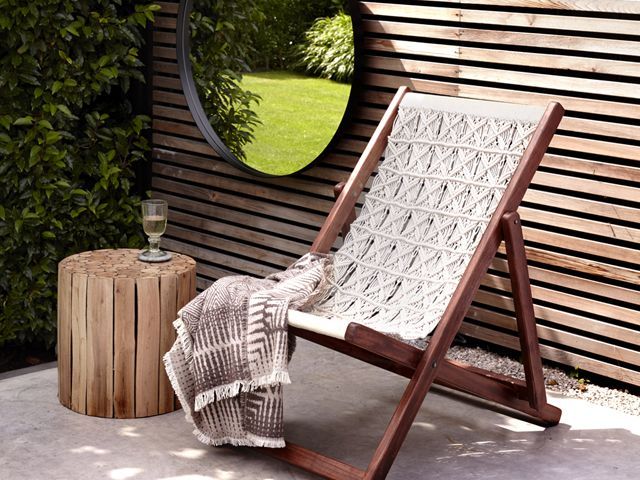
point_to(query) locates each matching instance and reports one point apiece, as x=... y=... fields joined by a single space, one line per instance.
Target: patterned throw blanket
x=229 y=361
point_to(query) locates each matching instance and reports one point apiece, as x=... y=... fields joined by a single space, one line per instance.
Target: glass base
x=160 y=256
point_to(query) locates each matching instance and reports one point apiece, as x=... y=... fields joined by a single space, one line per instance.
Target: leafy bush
x=68 y=141
x=221 y=33
x=328 y=49
x=283 y=28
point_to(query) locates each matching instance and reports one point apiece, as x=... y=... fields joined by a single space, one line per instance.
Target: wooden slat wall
x=581 y=215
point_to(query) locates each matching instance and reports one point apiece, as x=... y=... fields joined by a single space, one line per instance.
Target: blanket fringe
x=232 y=389
x=182 y=398
x=248 y=441
x=185 y=337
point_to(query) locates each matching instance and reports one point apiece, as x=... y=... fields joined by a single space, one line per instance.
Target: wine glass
x=154 y=223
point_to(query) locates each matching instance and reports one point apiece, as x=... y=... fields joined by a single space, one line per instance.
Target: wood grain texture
x=443 y=84
x=560 y=355
x=79 y=339
x=501 y=18
x=604 y=6
x=148 y=346
x=535 y=81
x=168 y=301
x=560 y=299
x=64 y=336
x=552 y=41
x=125 y=347
x=508 y=57
x=487 y=316
x=100 y=346
x=314 y=462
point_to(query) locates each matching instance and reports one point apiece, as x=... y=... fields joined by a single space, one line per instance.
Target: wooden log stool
x=115 y=317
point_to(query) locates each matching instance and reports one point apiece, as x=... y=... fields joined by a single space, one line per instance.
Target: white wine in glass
x=154 y=223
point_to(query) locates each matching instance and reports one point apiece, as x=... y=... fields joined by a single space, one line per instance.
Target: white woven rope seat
x=445 y=168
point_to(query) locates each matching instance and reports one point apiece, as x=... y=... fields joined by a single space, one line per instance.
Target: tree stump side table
x=115 y=316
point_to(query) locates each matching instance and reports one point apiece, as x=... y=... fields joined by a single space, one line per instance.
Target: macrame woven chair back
x=445 y=169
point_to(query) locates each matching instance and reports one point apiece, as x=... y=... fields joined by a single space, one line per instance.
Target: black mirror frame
x=183 y=47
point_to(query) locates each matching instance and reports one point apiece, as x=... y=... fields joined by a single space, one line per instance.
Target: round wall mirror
x=268 y=82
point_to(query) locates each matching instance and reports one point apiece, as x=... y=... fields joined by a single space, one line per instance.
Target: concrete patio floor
x=337 y=405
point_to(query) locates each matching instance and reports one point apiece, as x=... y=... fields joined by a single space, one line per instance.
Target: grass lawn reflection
x=299 y=116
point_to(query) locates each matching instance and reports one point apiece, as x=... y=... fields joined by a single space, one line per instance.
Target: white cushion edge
x=335 y=328
x=469 y=106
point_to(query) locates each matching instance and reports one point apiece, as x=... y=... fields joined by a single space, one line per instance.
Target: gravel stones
x=556 y=380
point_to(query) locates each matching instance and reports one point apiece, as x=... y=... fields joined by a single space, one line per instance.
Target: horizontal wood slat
x=247 y=220
x=599 y=270
x=161 y=111
x=581 y=215
x=159 y=96
x=163 y=67
x=507 y=77
x=523 y=39
x=560 y=299
x=604 y=6
x=498 y=18
x=577 y=285
x=619 y=131
x=582 y=206
x=557 y=354
x=207 y=255
x=168 y=7
x=298 y=183
x=168 y=38
x=543 y=60
x=579 y=342
x=609 y=230
x=165 y=22
x=246 y=188
x=504 y=94
x=257 y=206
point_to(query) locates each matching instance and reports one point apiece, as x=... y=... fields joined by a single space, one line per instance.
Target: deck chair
x=443 y=200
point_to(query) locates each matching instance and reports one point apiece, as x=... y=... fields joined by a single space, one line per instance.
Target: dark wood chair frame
x=424 y=367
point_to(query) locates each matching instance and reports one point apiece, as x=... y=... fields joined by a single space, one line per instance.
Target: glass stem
x=154 y=244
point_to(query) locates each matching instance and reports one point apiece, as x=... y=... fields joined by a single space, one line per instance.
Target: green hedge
x=283 y=29
x=68 y=141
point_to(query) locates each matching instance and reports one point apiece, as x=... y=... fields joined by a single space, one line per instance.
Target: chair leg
x=399 y=425
x=525 y=316
x=313 y=462
x=425 y=374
